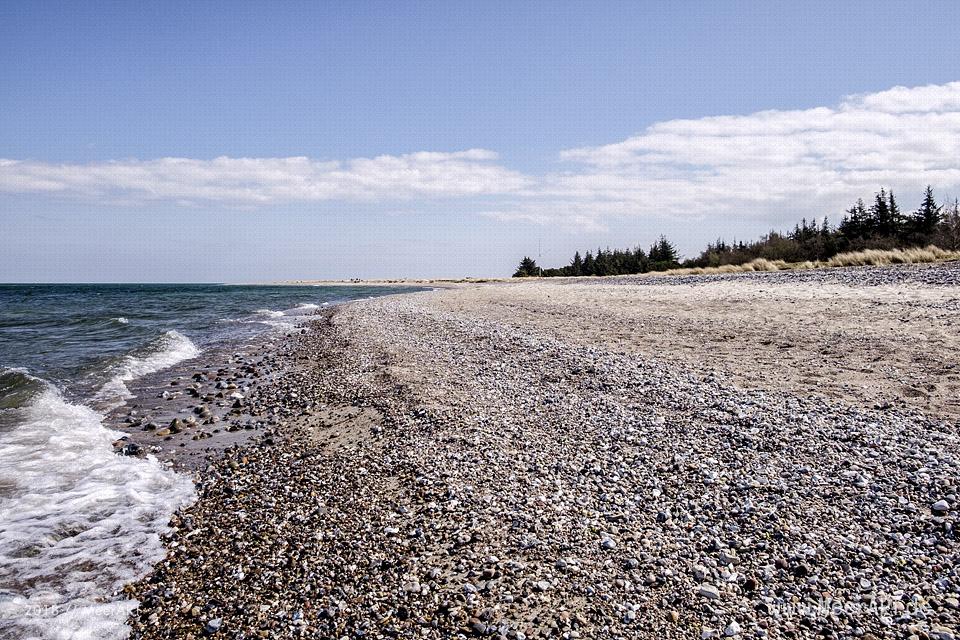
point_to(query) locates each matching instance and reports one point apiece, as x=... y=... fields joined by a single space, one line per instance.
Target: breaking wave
x=79 y=522
x=167 y=350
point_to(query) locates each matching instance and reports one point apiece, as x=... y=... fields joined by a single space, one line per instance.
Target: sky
x=207 y=142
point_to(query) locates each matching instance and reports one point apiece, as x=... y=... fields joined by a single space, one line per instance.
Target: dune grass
x=868 y=257
x=877 y=257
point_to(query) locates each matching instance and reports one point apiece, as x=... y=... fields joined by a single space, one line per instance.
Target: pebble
x=709 y=591
x=518 y=482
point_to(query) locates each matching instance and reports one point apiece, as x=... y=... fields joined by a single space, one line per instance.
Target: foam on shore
x=79 y=520
x=169 y=349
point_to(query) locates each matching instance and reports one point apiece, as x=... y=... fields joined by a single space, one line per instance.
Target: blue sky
x=447 y=139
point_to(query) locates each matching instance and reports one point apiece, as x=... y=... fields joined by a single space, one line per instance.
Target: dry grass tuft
x=879 y=257
x=760 y=264
x=872 y=257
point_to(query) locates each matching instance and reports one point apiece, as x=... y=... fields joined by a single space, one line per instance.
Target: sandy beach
x=748 y=455
x=495 y=320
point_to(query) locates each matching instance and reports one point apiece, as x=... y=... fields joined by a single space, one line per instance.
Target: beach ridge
x=548 y=460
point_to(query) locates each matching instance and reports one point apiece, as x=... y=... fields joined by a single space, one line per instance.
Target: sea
x=77 y=521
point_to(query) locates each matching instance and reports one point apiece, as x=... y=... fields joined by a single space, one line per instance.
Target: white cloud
x=252 y=181
x=804 y=162
x=814 y=160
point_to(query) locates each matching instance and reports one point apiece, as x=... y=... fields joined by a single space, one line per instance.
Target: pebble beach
x=744 y=455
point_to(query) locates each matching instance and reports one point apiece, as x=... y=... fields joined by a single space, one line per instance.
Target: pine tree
x=896 y=218
x=663 y=255
x=576 y=266
x=528 y=267
x=881 y=225
x=855 y=223
x=879 y=218
x=604 y=262
x=642 y=262
x=828 y=240
x=927 y=217
x=588 y=266
x=668 y=252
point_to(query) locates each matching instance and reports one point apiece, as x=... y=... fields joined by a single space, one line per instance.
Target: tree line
x=881 y=225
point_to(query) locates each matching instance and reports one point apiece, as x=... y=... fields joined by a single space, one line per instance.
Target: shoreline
x=884 y=259
x=399 y=282
x=481 y=461
x=187 y=414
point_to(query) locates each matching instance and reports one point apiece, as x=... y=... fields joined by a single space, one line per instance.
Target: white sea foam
x=168 y=350
x=269 y=313
x=78 y=521
x=272 y=318
x=280 y=320
x=284 y=320
x=120 y=320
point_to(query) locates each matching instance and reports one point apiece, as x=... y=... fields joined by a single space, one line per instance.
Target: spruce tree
x=828 y=240
x=654 y=253
x=896 y=219
x=588 y=266
x=642 y=262
x=854 y=225
x=601 y=263
x=668 y=253
x=879 y=218
x=528 y=267
x=882 y=224
x=576 y=266
x=663 y=255
x=927 y=217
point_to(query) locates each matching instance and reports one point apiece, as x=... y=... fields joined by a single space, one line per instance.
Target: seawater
x=78 y=522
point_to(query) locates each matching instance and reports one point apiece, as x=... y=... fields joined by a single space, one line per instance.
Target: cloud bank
x=260 y=181
x=813 y=160
x=810 y=162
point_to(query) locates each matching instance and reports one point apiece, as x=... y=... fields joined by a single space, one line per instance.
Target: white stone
x=709 y=591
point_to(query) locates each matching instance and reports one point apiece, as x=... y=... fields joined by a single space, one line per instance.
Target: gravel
x=938 y=274
x=430 y=473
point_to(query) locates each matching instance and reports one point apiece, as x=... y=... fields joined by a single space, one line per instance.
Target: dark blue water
x=69 y=333
x=77 y=522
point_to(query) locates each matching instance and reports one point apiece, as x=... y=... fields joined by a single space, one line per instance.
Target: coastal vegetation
x=880 y=233
x=867 y=257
